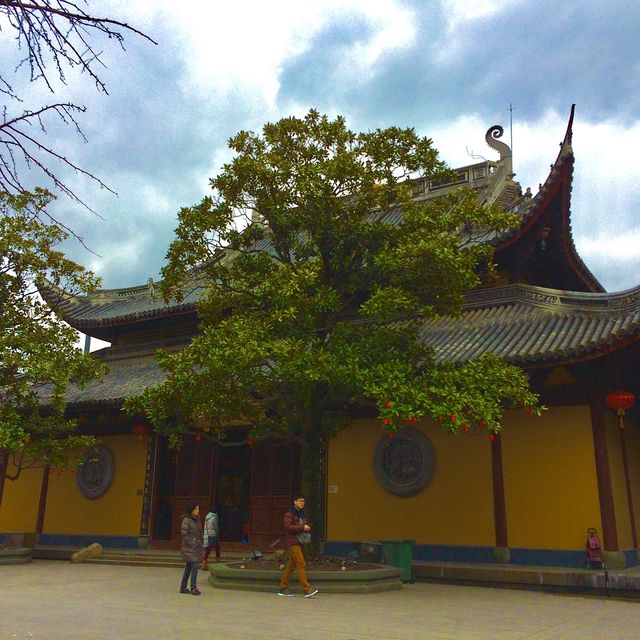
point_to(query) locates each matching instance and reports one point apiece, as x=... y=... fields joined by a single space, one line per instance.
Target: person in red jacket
x=297 y=530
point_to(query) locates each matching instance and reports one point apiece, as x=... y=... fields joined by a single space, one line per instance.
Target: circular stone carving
x=404 y=465
x=95 y=474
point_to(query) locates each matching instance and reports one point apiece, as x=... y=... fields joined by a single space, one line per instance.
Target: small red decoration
x=198 y=438
x=388 y=405
x=140 y=430
x=492 y=437
x=392 y=435
x=453 y=417
x=482 y=423
x=250 y=443
x=620 y=400
x=528 y=410
x=407 y=419
x=467 y=427
x=385 y=421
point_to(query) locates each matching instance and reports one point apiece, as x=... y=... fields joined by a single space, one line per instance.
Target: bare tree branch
x=58 y=34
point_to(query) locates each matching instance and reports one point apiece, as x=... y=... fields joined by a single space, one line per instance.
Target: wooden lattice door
x=194 y=470
x=272 y=485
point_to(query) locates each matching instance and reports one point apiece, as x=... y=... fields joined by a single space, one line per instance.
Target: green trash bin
x=399 y=553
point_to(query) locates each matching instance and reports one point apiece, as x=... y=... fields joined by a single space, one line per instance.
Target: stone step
x=136 y=562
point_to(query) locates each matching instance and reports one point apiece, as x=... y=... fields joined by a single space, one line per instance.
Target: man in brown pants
x=296 y=533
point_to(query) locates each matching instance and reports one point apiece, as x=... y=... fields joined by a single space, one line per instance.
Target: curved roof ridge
x=531 y=295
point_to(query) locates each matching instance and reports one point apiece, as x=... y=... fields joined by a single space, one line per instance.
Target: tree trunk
x=312 y=463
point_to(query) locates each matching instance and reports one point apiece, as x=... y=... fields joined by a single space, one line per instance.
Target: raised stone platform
x=354 y=580
x=21 y=555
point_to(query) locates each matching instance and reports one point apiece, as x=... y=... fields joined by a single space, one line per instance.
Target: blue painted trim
x=548 y=558
x=569 y=558
x=452 y=553
x=113 y=542
x=630 y=558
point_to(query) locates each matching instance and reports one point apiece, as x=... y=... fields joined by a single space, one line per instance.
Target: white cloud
x=462 y=11
x=243 y=45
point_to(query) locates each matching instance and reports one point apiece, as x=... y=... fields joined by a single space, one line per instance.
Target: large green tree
x=38 y=352
x=320 y=268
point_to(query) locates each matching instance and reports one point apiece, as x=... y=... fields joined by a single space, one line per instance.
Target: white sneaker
x=284 y=592
x=311 y=593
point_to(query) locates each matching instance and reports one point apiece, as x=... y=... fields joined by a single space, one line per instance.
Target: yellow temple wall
x=632 y=434
x=117 y=512
x=618 y=482
x=456 y=508
x=551 y=488
x=19 y=506
x=550 y=485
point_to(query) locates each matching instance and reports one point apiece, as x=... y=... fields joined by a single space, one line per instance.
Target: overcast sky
x=448 y=70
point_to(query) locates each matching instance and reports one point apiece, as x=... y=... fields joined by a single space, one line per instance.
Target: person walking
x=211 y=537
x=191 y=548
x=297 y=531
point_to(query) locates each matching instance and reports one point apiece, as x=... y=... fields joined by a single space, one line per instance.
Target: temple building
x=528 y=496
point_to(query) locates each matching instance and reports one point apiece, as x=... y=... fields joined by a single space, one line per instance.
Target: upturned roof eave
x=560 y=177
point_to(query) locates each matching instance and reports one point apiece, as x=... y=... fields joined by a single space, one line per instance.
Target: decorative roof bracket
x=492 y=135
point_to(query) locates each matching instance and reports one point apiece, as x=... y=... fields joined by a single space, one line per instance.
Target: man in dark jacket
x=191 y=548
x=296 y=531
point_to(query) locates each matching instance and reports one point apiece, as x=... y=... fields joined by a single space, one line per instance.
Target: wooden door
x=194 y=470
x=272 y=486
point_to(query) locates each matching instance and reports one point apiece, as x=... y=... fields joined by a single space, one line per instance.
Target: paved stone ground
x=51 y=600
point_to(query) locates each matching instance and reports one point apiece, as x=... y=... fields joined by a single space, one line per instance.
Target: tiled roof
x=531 y=325
x=116 y=306
x=525 y=325
x=125 y=378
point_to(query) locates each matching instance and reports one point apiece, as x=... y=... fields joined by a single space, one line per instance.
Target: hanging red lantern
x=198 y=439
x=392 y=435
x=250 y=443
x=140 y=430
x=619 y=401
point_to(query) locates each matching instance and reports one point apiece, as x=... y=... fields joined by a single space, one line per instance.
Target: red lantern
x=198 y=439
x=250 y=443
x=140 y=430
x=619 y=401
x=392 y=435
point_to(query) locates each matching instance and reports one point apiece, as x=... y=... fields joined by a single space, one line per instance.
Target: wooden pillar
x=42 y=504
x=499 y=502
x=4 y=461
x=603 y=473
x=632 y=517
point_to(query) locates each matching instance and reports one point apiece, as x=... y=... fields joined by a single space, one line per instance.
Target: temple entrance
x=274 y=478
x=249 y=487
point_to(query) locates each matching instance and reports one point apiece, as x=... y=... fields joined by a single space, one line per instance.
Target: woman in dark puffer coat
x=191 y=548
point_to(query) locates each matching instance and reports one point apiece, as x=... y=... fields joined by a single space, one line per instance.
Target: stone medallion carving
x=404 y=465
x=95 y=474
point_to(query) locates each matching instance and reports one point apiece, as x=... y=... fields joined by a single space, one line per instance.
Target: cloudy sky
x=449 y=68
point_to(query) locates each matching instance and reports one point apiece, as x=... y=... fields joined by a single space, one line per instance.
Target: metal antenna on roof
x=511 y=127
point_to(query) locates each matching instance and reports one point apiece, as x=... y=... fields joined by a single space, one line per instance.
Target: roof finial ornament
x=151 y=285
x=492 y=135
